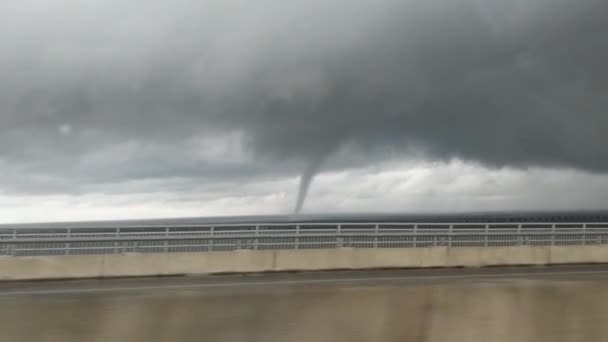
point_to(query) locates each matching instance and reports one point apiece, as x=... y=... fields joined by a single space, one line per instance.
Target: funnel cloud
x=305 y=180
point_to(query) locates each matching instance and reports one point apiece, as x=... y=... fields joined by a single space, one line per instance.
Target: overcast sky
x=112 y=109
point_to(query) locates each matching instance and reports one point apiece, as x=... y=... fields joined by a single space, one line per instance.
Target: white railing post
x=11 y=248
x=67 y=244
x=486 y=237
x=117 y=234
x=450 y=235
x=297 y=246
x=520 y=239
x=553 y=235
x=256 y=240
x=376 y=237
x=166 y=243
x=584 y=234
x=415 y=235
x=211 y=238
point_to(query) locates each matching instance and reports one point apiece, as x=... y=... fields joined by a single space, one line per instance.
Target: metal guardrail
x=273 y=236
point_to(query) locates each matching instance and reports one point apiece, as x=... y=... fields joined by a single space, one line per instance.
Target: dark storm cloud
x=517 y=83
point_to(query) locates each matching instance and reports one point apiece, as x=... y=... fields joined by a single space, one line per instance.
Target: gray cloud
x=518 y=83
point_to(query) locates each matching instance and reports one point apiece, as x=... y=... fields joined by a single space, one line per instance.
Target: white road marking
x=296 y=282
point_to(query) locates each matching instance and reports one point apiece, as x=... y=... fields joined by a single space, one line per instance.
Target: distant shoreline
x=459 y=217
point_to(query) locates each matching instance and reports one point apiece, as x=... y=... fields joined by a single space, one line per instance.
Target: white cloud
x=456 y=186
x=397 y=186
x=65 y=129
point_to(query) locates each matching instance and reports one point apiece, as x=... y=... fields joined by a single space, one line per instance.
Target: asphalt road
x=556 y=304
x=374 y=278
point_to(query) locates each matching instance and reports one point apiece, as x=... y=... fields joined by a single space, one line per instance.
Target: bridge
x=420 y=279
x=156 y=248
x=103 y=239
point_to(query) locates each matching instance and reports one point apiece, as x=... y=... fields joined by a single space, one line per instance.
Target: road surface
x=377 y=278
x=536 y=304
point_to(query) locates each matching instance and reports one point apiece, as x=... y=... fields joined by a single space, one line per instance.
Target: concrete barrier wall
x=219 y=262
x=400 y=258
x=490 y=256
x=22 y=268
x=586 y=254
x=121 y=265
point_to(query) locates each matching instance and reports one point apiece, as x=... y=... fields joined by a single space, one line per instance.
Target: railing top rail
x=306 y=224
x=237 y=236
